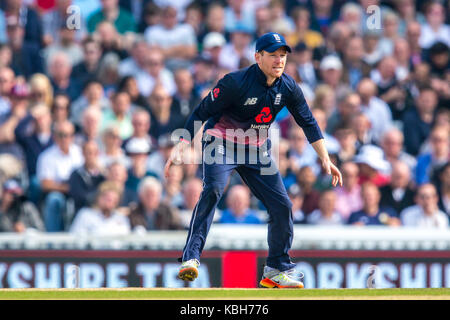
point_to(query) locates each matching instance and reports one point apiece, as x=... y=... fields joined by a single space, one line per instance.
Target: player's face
x=272 y=63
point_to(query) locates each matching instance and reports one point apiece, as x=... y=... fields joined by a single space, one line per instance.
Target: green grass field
x=224 y=294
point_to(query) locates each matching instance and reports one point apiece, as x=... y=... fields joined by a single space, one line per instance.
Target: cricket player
x=248 y=101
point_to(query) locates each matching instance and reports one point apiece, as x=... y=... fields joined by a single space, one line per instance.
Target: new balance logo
x=250 y=101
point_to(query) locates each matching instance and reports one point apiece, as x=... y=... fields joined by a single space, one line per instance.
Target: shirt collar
x=261 y=77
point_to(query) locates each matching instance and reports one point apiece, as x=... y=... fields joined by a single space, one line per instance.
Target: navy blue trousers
x=268 y=188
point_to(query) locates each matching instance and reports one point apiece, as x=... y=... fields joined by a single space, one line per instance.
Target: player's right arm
x=218 y=99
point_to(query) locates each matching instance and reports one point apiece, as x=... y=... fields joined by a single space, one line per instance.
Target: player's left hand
x=330 y=168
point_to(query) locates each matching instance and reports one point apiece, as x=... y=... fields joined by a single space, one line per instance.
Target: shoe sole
x=189 y=274
x=267 y=283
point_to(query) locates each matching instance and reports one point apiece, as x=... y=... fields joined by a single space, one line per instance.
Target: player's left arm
x=299 y=109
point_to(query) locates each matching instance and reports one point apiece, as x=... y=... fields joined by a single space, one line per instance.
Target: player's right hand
x=176 y=156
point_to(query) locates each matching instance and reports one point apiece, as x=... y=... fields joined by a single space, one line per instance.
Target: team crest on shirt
x=277 y=99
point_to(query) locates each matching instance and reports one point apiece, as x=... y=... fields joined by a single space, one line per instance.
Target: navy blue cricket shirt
x=243 y=100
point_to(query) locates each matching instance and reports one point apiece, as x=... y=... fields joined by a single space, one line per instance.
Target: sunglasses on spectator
x=64 y=134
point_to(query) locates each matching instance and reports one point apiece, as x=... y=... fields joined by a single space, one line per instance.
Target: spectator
x=407 y=10
x=352 y=14
x=284 y=163
x=17 y=214
x=8 y=122
x=119 y=115
x=429 y=163
x=102 y=218
x=151 y=16
x=26 y=58
x=377 y=110
x=354 y=66
x=372 y=214
x=122 y=19
x=185 y=98
x=29 y=19
x=399 y=193
x=444 y=189
x=117 y=173
x=111 y=148
x=90 y=127
x=347 y=106
x=130 y=86
x=172 y=186
x=60 y=109
x=136 y=61
x=302 y=56
x=213 y=43
x=5 y=55
x=402 y=55
x=413 y=32
x=349 y=195
x=238 y=207
x=56 y=17
x=164 y=119
x=93 y=97
x=108 y=73
x=151 y=213
x=417 y=122
x=298 y=154
x=34 y=135
x=84 y=181
x=425 y=213
x=331 y=70
x=296 y=196
x=323 y=14
x=360 y=123
x=435 y=28
x=237 y=12
x=372 y=52
x=138 y=151
x=110 y=40
x=389 y=88
x=392 y=144
x=154 y=72
x=88 y=67
x=326 y=214
x=67 y=44
x=263 y=22
x=191 y=190
x=141 y=126
x=390 y=32
x=238 y=49
x=177 y=40
x=53 y=169
x=306 y=180
x=214 y=20
x=372 y=166
x=347 y=138
x=59 y=70
x=41 y=90
x=302 y=19
x=7 y=79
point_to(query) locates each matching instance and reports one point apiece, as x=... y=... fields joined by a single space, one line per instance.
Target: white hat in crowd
x=331 y=62
x=213 y=39
x=373 y=156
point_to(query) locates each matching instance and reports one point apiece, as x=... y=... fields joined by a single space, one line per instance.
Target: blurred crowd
x=90 y=91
